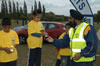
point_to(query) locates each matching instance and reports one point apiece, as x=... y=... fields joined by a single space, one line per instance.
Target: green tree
x=32 y=9
x=14 y=8
x=25 y=9
x=17 y=11
x=10 y=7
x=35 y=5
x=3 y=8
x=6 y=8
x=44 y=12
x=95 y=17
x=98 y=17
x=21 y=13
x=17 y=7
x=50 y=16
x=14 y=14
x=39 y=6
x=21 y=10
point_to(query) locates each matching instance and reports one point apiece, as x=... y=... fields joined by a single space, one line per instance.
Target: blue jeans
x=65 y=60
x=13 y=63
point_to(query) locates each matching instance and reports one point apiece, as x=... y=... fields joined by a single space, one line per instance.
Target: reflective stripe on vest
x=77 y=42
x=76 y=50
x=71 y=31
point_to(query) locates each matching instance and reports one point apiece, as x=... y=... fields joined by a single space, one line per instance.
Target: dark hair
x=35 y=12
x=6 y=22
x=68 y=24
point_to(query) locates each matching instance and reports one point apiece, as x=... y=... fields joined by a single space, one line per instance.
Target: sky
x=59 y=7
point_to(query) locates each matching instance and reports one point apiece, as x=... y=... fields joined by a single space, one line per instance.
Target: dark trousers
x=58 y=62
x=13 y=63
x=81 y=63
x=34 y=57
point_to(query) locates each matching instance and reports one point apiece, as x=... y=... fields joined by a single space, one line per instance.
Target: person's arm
x=1 y=48
x=16 y=45
x=36 y=34
x=39 y=34
x=16 y=40
x=6 y=49
x=91 y=41
x=62 y=43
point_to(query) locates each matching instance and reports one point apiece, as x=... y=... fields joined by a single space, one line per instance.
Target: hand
x=77 y=56
x=15 y=45
x=50 y=39
x=44 y=34
x=7 y=50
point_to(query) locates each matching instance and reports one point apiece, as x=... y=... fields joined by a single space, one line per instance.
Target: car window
x=52 y=26
x=63 y=24
x=26 y=26
x=45 y=26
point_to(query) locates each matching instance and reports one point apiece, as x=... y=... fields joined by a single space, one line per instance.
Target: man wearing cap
x=83 y=41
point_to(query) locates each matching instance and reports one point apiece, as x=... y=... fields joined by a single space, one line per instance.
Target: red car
x=54 y=29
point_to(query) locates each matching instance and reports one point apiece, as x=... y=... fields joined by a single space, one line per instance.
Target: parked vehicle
x=19 y=28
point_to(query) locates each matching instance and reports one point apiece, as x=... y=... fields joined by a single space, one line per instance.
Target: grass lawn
x=97 y=26
x=48 y=55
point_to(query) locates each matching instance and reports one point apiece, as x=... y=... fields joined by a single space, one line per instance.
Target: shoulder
x=87 y=29
x=1 y=31
x=31 y=22
x=63 y=34
x=40 y=22
x=13 y=32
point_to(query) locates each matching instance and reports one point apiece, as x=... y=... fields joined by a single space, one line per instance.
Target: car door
x=52 y=30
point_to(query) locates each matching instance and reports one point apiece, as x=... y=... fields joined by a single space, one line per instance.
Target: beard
x=73 y=24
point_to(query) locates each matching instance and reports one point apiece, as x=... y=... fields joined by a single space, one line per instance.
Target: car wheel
x=22 y=39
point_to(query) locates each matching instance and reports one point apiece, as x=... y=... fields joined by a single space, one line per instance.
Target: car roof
x=51 y=22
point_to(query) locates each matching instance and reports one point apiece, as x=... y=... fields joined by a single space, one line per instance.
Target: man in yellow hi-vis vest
x=83 y=41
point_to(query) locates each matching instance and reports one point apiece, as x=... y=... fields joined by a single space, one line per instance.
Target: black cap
x=76 y=14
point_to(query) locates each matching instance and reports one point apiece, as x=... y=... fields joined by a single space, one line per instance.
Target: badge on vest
x=76 y=35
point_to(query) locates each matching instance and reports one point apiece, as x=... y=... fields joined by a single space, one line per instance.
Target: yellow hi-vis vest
x=77 y=42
